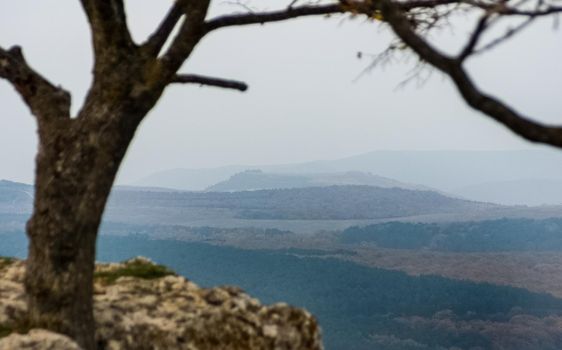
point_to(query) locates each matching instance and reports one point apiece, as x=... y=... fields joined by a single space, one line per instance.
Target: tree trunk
x=59 y=278
x=75 y=169
x=79 y=157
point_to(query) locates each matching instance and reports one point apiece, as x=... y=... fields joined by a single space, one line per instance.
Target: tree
x=410 y=28
x=79 y=155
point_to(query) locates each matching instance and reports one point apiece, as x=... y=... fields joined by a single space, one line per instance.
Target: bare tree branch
x=194 y=26
x=272 y=16
x=551 y=10
x=109 y=29
x=157 y=40
x=548 y=11
x=46 y=101
x=503 y=8
x=508 y=34
x=190 y=33
x=366 y=7
x=415 y=4
x=474 y=38
x=210 y=81
x=522 y=125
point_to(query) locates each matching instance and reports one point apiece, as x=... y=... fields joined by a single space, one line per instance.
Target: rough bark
x=75 y=171
x=76 y=166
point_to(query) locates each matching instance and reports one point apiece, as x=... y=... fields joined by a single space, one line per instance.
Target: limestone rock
x=38 y=339
x=140 y=305
x=12 y=301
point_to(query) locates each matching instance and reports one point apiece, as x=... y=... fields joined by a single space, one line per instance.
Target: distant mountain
x=443 y=170
x=346 y=202
x=446 y=170
x=310 y=203
x=15 y=197
x=515 y=192
x=250 y=180
x=305 y=209
x=15 y=186
x=125 y=188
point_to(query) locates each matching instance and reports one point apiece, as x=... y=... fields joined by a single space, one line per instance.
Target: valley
x=382 y=263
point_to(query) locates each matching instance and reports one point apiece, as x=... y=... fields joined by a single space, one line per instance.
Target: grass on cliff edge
x=134 y=268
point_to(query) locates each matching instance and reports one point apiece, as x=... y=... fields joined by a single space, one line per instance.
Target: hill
x=311 y=203
x=300 y=210
x=443 y=170
x=250 y=180
x=504 y=235
x=15 y=197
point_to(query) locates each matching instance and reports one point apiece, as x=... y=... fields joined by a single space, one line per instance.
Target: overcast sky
x=304 y=101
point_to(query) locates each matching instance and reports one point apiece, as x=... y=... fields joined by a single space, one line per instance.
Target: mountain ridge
x=260 y=180
x=442 y=170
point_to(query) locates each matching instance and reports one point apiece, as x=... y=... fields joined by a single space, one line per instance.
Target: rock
x=140 y=305
x=38 y=339
x=12 y=301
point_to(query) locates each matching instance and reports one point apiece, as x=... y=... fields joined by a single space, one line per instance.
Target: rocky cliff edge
x=140 y=305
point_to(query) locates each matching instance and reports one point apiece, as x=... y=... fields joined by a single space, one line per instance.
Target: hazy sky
x=304 y=102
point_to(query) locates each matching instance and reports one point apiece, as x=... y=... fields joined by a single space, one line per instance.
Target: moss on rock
x=139 y=267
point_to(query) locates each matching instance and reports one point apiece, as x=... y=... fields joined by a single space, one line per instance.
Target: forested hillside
x=482 y=236
x=311 y=203
x=358 y=307
x=259 y=180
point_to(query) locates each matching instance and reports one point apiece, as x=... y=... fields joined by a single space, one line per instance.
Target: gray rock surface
x=37 y=339
x=165 y=311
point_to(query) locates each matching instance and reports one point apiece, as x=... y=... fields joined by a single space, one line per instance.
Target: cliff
x=140 y=305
